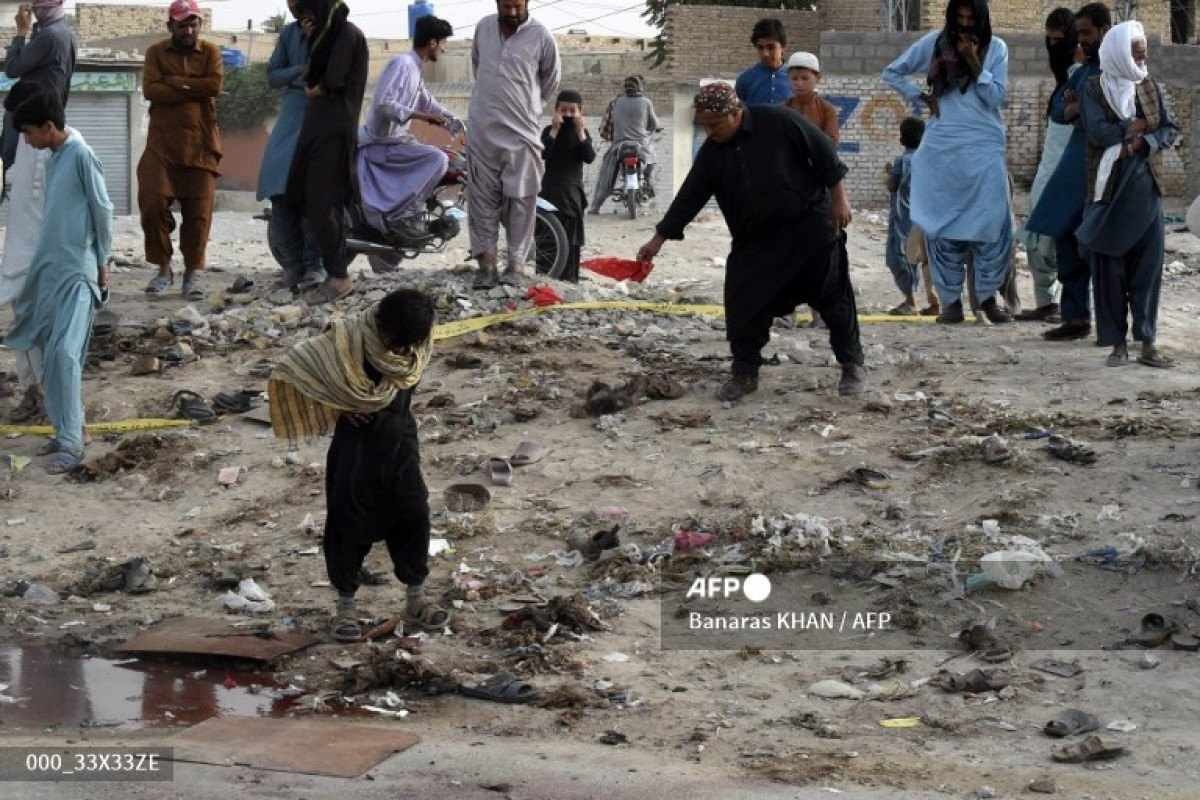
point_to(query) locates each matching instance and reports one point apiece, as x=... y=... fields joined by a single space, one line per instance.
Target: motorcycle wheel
x=631 y=203
x=551 y=244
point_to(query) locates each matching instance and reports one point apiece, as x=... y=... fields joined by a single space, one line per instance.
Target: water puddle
x=58 y=688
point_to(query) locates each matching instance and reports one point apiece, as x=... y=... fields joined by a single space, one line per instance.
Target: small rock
x=1043 y=786
x=1148 y=661
x=293 y=458
x=835 y=690
x=229 y=476
x=1185 y=244
x=145 y=365
x=985 y=793
x=278 y=463
x=288 y=315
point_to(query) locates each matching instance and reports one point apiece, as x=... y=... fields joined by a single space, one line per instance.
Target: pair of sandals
x=160 y=284
x=1148 y=357
x=193 y=406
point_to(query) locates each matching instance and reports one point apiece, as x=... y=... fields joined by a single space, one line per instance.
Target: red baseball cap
x=184 y=9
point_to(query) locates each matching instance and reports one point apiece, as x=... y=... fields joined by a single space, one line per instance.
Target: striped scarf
x=322 y=377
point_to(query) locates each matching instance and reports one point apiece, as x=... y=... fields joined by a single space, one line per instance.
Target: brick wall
x=1030 y=15
x=853 y=15
x=714 y=41
x=871 y=112
x=98 y=21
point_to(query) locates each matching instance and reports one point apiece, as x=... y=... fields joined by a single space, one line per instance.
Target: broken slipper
x=527 y=453
x=1071 y=722
x=1157 y=628
x=1092 y=748
x=500 y=472
x=503 y=687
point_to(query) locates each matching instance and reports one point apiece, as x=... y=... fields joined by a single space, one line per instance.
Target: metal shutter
x=103 y=120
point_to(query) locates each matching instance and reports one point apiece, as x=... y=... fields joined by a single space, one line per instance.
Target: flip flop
x=1071 y=722
x=192 y=406
x=428 y=618
x=902 y=310
x=238 y=402
x=346 y=630
x=1092 y=748
x=527 y=453
x=500 y=471
x=159 y=284
x=503 y=687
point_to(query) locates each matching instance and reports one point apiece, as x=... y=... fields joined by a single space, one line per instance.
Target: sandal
x=325 y=293
x=159 y=284
x=1071 y=722
x=346 y=630
x=974 y=682
x=1153 y=357
x=1092 y=748
x=1119 y=357
x=931 y=310
x=63 y=461
x=192 y=406
x=503 y=687
x=500 y=471
x=190 y=290
x=1157 y=628
x=485 y=279
x=235 y=402
x=903 y=310
x=527 y=453
x=428 y=617
x=105 y=322
x=241 y=285
x=29 y=408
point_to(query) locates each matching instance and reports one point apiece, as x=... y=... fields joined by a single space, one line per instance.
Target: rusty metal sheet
x=309 y=746
x=214 y=637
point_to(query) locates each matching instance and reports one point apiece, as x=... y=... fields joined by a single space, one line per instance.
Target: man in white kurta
x=516 y=66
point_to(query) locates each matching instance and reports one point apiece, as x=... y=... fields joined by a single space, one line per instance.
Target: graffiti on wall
x=878 y=118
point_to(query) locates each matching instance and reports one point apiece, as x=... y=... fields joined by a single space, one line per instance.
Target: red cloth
x=543 y=295
x=691 y=540
x=620 y=269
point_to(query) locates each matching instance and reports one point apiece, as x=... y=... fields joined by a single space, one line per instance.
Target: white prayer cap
x=805 y=61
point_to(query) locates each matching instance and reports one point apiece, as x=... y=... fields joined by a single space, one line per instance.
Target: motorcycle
x=442 y=220
x=632 y=189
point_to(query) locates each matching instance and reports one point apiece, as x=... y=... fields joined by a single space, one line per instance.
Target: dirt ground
x=690 y=463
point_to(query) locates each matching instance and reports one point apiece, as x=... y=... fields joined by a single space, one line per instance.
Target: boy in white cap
x=804 y=71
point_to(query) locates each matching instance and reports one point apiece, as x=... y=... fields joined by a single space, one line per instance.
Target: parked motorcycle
x=632 y=188
x=442 y=220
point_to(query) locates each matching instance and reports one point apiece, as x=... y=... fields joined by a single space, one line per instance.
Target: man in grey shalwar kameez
x=633 y=121
x=516 y=66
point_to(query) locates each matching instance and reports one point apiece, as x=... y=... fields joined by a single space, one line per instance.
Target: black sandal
x=503 y=687
x=238 y=402
x=346 y=630
x=192 y=406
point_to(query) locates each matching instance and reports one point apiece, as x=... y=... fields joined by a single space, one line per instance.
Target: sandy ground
x=738 y=714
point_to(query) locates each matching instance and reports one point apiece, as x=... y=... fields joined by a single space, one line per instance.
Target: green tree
x=274 y=24
x=655 y=13
x=247 y=101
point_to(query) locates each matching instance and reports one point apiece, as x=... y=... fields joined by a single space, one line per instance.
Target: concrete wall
x=714 y=41
x=104 y=21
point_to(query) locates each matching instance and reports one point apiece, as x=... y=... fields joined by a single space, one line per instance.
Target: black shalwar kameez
x=562 y=185
x=374 y=491
x=772 y=181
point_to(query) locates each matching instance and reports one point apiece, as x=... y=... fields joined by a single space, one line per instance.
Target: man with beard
x=182 y=78
x=321 y=181
x=41 y=56
x=633 y=121
x=960 y=196
x=1061 y=47
x=1060 y=208
x=516 y=67
x=778 y=182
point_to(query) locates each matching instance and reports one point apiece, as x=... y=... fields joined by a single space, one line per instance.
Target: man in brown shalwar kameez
x=181 y=78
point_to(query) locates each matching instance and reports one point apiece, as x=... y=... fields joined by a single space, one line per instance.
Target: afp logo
x=756 y=587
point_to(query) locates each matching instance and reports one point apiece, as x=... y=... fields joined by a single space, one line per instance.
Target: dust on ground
x=951 y=475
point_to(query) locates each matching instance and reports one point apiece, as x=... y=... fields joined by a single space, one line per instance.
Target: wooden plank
x=214 y=637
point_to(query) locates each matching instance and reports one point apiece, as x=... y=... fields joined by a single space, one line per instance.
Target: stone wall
x=97 y=21
x=714 y=41
x=871 y=112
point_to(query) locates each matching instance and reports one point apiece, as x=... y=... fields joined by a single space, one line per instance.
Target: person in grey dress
x=516 y=66
x=633 y=121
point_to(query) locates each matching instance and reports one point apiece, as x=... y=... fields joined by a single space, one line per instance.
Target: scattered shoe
x=737 y=387
x=1092 y=748
x=486 y=278
x=1069 y=331
x=995 y=314
x=952 y=314
x=1071 y=722
x=1040 y=314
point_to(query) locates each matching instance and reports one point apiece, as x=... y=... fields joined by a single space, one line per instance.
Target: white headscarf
x=1119 y=79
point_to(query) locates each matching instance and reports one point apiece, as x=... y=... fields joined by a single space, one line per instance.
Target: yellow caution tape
x=116 y=426
x=900 y=722
x=451 y=330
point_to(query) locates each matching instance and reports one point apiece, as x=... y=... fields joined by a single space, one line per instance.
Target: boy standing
x=766 y=83
x=566 y=147
x=54 y=310
x=357 y=379
x=899 y=183
x=804 y=72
